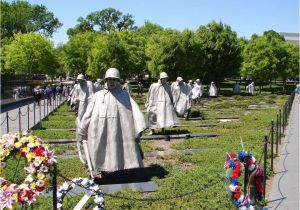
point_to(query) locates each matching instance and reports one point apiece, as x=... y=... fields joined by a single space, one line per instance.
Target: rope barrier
x=204 y=187
x=24 y=114
x=3 y=121
x=13 y=119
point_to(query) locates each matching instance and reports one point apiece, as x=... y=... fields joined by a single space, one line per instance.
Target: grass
x=207 y=164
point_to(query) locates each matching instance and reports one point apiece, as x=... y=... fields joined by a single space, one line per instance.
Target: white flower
x=84 y=182
x=99 y=199
x=95 y=188
x=29 y=178
x=30 y=145
x=59 y=194
x=65 y=186
x=96 y=208
x=59 y=205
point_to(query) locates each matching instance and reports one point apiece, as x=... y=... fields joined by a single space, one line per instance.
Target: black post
x=277 y=134
x=45 y=106
x=279 y=126
x=34 y=114
x=54 y=182
x=28 y=117
x=283 y=118
x=272 y=141
x=265 y=162
x=246 y=173
x=40 y=110
x=7 y=123
x=20 y=120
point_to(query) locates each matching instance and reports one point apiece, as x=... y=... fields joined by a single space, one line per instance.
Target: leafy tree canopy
x=222 y=51
x=104 y=21
x=20 y=16
x=30 y=54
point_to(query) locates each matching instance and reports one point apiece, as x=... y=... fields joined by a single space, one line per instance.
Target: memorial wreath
x=87 y=184
x=39 y=159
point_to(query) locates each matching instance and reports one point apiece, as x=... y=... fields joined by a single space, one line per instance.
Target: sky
x=246 y=17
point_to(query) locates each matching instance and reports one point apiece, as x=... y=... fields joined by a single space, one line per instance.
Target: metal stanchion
x=272 y=141
x=28 y=117
x=277 y=134
x=20 y=120
x=246 y=173
x=34 y=114
x=279 y=126
x=47 y=105
x=7 y=123
x=265 y=162
x=54 y=182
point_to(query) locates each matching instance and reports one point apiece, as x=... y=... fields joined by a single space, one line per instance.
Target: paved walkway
x=29 y=116
x=285 y=189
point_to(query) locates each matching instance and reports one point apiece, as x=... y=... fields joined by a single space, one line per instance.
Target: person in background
x=140 y=88
x=297 y=92
x=48 y=94
x=160 y=106
x=37 y=94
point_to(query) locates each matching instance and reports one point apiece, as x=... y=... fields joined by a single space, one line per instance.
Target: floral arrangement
x=233 y=173
x=86 y=184
x=39 y=159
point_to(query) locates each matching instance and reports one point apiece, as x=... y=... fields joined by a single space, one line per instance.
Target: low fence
x=29 y=116
x=271 y=140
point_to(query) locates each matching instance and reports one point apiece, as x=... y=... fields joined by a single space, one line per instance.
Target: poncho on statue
x=82 y=95
x=181 y=96
x=160 y=106
x=197 y=90
x=112 y=122
x=213 y=89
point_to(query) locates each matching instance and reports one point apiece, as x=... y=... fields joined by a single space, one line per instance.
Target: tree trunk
x=260 y=87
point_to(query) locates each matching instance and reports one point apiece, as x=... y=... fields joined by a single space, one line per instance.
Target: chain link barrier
x=3 y=121
x=13 y=119
x=204 y=187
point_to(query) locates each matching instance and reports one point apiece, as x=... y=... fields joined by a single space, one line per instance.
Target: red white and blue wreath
x=234 y=166
x=86 y=184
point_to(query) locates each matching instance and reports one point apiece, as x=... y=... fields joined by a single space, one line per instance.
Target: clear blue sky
x=245 y=17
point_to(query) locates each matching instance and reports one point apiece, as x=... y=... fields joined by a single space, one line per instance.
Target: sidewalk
x=285 y=188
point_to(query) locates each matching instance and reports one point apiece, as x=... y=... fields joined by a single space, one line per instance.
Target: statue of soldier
x=82 y=96
x=213 y=91
x=159 y=105
x=98 y=85
x=127 y=87
x=251 y=88
x=197 y=91
x=182 y=97
x=112 y=125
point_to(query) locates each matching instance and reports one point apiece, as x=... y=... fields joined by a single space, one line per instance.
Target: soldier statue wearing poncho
x=159 y=105
x=112 y=126
x=182 y=97
x=213 y=91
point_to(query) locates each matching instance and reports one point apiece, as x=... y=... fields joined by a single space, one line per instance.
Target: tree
x=20 y=16
x=162 y=50
x=30 y=54
x=222 y=51
x=108 y=51
x=77 y=50
x=268 y=57
x=104 y=21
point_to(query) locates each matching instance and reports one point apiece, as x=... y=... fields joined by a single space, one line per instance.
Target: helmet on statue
x=112 y=73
